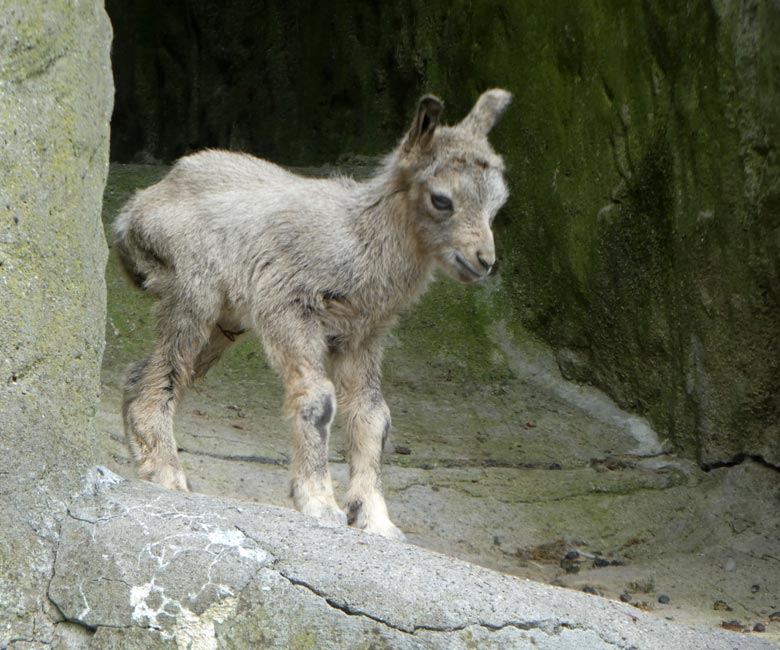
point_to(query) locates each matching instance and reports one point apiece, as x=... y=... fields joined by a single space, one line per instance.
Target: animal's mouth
x=466 y=271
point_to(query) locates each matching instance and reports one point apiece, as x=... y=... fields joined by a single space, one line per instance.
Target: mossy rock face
x=55 y=106
x=642 y=237
x=647 y=248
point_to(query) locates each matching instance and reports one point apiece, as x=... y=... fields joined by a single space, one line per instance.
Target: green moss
x=451 y=328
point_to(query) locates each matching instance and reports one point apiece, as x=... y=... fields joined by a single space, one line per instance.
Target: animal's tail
x=139 y=260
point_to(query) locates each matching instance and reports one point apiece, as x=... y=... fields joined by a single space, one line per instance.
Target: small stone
x=239 y=411
x=625 y=597
x=570 y=566
x=774 y=617
x=402 y=450
x=755 y=589
x=721 y=606
x=600 y=563
x=734 y=625
x=590 y=589
x=759 y=627
x=664 y=599
x=572 y=555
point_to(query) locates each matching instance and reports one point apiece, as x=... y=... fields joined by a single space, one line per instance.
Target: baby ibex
x=318 y=269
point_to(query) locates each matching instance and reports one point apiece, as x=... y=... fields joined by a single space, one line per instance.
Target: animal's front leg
x=313 y=405
x=368 y=426
x=296 y=347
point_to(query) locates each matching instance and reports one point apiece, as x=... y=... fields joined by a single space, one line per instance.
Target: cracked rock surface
x=139 y=566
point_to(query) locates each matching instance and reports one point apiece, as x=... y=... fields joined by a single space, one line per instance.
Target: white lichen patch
x=191 y=632
x=147 y=614
x=171 y=613
x=198 y=632
x=99 y=478
x=237 y=540
x=226 y=537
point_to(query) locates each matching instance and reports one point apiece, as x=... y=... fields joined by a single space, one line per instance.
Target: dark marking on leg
x=386 y=433
x=136 y=373
x=170 y=387
x=320 y=416
x=323 y=421
x=375 y=396
x=353 y=510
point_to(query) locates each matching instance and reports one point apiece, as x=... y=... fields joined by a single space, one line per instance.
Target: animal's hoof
x=326 y=513
x=385 y=529
x=169 y=477
x=333 y=518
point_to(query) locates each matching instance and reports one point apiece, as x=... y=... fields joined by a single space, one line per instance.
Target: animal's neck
x=397 y=267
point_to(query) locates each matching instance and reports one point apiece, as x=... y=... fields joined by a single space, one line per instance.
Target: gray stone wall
x=56 y=94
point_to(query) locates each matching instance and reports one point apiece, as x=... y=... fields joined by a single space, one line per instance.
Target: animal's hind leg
x=153 y=388
x=298 y=351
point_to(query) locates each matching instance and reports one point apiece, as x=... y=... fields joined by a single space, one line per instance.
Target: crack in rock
x=343 y=607
x=551 y=628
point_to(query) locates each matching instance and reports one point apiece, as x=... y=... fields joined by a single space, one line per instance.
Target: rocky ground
x=495 y=459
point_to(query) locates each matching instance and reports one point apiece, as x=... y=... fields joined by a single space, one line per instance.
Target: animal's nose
x=486 y=260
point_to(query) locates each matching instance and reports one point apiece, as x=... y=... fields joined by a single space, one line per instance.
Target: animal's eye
x=441 y=202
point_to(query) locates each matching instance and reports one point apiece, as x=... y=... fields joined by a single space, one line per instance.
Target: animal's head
x=456 y=184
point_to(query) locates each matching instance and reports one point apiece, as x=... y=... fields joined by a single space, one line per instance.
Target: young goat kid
x=318 y=269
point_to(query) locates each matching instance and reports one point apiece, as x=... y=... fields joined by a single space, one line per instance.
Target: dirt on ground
x=494 y=458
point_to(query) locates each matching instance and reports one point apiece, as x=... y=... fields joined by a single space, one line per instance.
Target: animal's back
x=217 y=212
x=213 y=170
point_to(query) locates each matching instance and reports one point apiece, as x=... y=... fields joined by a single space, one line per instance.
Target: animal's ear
x=486 y=112
x=425 y=122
